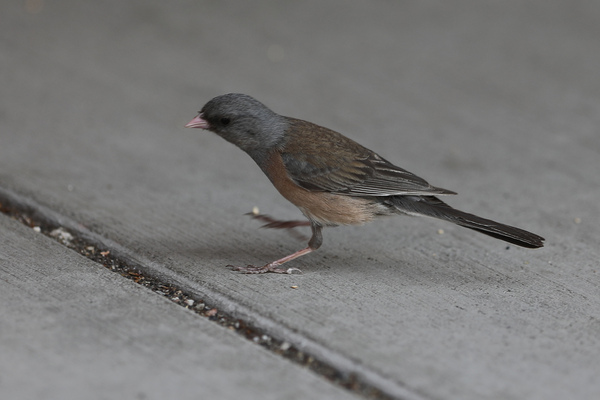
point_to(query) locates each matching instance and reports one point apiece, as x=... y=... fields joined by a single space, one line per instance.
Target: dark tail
x=431 y=206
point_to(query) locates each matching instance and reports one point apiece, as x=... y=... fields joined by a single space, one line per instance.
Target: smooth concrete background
x=498 y=101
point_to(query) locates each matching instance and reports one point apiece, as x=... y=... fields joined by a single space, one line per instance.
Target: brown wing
x=325 y=160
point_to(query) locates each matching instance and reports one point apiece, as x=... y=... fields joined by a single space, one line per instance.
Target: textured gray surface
x=71 y=329
x=497 y=101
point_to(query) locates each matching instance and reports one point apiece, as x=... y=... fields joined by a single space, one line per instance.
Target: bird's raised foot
x=273 y=223
x=252 y=269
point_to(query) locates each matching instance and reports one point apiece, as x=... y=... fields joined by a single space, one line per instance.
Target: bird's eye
x=225 y=120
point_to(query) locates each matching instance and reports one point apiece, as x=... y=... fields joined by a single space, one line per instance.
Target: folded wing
x=348 y=168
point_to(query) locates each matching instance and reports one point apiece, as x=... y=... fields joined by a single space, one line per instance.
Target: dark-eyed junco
x=332 y=179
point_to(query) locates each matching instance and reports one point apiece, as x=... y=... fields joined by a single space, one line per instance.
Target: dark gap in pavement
x=72 y=239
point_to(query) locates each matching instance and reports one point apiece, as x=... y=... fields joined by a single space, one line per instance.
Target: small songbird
x=332 y=179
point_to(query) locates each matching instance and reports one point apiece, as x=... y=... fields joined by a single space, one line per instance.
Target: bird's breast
x=322 y=207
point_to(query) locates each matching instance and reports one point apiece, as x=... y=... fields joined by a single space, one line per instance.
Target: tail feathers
x=433 y=207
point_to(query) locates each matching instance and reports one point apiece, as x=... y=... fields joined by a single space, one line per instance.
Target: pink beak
x=198 y=122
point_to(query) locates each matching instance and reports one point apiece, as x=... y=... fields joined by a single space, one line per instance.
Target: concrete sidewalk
x=71 y=329
x=497 y=101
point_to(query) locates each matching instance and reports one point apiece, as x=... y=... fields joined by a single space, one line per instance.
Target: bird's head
x=243 y=121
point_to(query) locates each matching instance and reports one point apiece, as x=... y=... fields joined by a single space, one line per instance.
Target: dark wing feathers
x=388 y=180
x=345 y=167
x=315 y=173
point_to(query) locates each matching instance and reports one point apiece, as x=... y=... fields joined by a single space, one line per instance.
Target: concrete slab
x=498 y=101
x=71 y=329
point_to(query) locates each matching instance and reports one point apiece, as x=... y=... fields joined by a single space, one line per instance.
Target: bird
x=332 y=179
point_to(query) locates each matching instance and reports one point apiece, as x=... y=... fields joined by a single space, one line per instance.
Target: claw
x=252 y=269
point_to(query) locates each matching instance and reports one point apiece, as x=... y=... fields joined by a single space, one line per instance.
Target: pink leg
x=315 y=242
x=272 y=266
x=273 y=223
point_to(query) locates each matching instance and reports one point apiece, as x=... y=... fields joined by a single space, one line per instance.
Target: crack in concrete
x=215 y=306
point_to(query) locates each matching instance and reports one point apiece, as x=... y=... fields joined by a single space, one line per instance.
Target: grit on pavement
x=499 y=101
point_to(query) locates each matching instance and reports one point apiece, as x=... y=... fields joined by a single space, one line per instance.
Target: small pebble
x=255 y=210
x=210 y=313
x=189 y=302
x=440 y=231
x=61 y=235
x=294 y=287
x=285 y=346
x=37 y=229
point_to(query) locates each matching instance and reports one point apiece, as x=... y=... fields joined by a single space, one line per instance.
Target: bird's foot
x=271 y=267
x=273 y=223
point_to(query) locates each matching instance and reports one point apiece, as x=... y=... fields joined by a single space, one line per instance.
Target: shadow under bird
x=332 y=179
